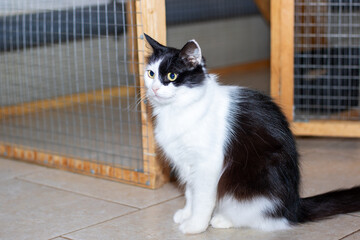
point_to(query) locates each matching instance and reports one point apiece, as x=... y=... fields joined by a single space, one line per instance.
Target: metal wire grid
x=64 y=56
x=327 y=59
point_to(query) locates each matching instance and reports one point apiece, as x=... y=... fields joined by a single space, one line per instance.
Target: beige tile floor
x=43 y=203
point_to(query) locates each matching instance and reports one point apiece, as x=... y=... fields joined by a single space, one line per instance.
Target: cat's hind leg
x=252 y=213
x=220 y=221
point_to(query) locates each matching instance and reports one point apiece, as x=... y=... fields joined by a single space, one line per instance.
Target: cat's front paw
x=181 y=215
x=193 y=226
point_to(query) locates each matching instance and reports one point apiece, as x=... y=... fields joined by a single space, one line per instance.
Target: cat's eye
x=151 y=74
x=172 y=76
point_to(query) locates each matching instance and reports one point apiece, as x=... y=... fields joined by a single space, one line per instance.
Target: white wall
x=226 y=42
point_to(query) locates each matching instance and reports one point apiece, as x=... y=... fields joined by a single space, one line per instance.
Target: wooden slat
x=275 y=64
x=282 y=55
x=243 y=67
x=131 y=37
x=327 y=128
x=264 y=7
x=150 y=19
x=287 y=58
x=65 y=101
x=95 y=169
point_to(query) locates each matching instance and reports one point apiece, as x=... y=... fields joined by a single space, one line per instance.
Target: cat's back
x=261 y=148
x=251 y=109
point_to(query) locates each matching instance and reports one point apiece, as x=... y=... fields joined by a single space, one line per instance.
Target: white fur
x=251 y=213
x=192 y=128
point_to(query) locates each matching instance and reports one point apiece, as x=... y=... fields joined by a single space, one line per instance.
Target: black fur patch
x=328 y=204
x=261 y=158
x=172 y=62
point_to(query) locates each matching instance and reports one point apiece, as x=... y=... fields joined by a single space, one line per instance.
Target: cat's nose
x=155 y=89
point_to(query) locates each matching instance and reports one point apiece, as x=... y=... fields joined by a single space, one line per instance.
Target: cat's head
x=174 y=75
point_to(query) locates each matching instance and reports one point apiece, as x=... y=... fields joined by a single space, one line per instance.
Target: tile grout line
x=97 y=198
x=348 y=235
x=135 y=209
x=95 y=224
x=162 y=202
x=353 y=215
x=126 y=214
x=66 y=238
x=26 y=174
x=77 y=193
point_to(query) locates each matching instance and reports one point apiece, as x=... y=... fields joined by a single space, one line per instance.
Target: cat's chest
x=192 y=134
x=177 y=130
x=182 y=133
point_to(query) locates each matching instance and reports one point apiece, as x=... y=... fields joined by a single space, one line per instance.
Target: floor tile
x=349 y=147
x=311 y=144
x=32 y=211
x=357 y=214
x=156 y=223
x=334 y=228
x=322 y=172
x=12 y=168
x=104 y=189
x=353 y=236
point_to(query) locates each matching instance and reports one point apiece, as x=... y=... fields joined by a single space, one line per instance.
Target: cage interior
x=327 y=60
x=69 y=81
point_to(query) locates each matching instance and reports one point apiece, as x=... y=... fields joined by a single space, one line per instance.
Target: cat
x=231 y=148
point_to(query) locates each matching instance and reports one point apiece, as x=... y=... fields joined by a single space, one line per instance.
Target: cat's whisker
x=134 y=106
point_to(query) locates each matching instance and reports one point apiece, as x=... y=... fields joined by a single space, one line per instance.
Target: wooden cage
x=141 y=16
x=326 y=31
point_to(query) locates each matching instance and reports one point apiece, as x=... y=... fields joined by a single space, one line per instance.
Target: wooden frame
x=282 y=76
x=87 y=167
x=240 y=68
x=282 y=55
x=146 y=16
x=150 y=19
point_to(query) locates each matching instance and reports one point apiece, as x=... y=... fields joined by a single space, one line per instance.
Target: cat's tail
x=328 y=204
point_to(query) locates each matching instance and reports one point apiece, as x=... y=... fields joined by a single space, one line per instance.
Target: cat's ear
x=154 y=44
x=191 y=54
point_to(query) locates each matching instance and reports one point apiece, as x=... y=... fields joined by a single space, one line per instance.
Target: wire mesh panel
x=70 y=91
x=327 y=60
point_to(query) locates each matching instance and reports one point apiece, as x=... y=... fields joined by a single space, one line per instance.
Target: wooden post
x=150 y=19
x=282 y=54
x=131 y=32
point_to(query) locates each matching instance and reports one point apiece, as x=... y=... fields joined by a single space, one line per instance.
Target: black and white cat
x=231 y=147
